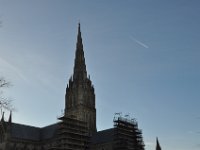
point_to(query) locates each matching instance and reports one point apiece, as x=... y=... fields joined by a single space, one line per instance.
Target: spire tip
x=2 y=118
x=10 y=117
x=79 y=27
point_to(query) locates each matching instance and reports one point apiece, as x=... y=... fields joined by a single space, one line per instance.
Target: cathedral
x=76 y=128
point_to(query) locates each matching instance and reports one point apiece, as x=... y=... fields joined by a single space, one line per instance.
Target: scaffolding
x=72 y=134
x=127 y=136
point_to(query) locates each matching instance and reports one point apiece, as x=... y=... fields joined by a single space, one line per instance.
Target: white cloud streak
x=139 y=42
x=6 y=64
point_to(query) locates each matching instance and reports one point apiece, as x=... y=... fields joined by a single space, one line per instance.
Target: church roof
x=48 y=131
x=103 y=136
x=26 y=132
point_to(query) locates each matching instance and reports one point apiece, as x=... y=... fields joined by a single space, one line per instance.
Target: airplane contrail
x=139 y=42
x=12 y=67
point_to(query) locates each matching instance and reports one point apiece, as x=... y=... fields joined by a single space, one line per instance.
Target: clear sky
x=143 y=57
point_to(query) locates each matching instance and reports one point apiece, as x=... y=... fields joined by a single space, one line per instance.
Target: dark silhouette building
x=80 y=97
x=76 y=128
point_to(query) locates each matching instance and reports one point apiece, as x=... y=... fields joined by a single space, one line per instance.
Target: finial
x=2 y=118
x=79 y=39
x=158 y=147
x=157 y=141
x=10 y=117
x=79 y=26
x=79 y=21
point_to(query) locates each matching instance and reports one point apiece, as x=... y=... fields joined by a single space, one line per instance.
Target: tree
x=5 y=103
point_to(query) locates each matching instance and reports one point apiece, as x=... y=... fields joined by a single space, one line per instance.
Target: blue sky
x=142 y=56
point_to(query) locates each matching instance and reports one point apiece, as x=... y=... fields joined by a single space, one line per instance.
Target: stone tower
x=80 y=96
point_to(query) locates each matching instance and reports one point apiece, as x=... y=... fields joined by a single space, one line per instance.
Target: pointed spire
x=2 y=118
x=10 y=117
x=157 y=144
x=79 y=28
x=79 y=38
x=80 y=72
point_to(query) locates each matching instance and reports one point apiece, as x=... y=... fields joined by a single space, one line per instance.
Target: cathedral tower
x=80 y=96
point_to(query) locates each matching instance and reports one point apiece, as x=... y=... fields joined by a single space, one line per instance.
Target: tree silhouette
x=5 y=103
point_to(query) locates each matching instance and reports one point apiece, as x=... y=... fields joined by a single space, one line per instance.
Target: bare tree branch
x=4 y=83
x=5 y=103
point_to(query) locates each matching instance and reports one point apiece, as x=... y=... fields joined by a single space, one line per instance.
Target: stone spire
x=80 y=96
x=10 y=117
x=157 y=145
x=80 y=72
x=2 y=118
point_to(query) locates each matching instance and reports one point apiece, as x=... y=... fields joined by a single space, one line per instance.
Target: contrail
x=12 y=67
x=139 y=42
